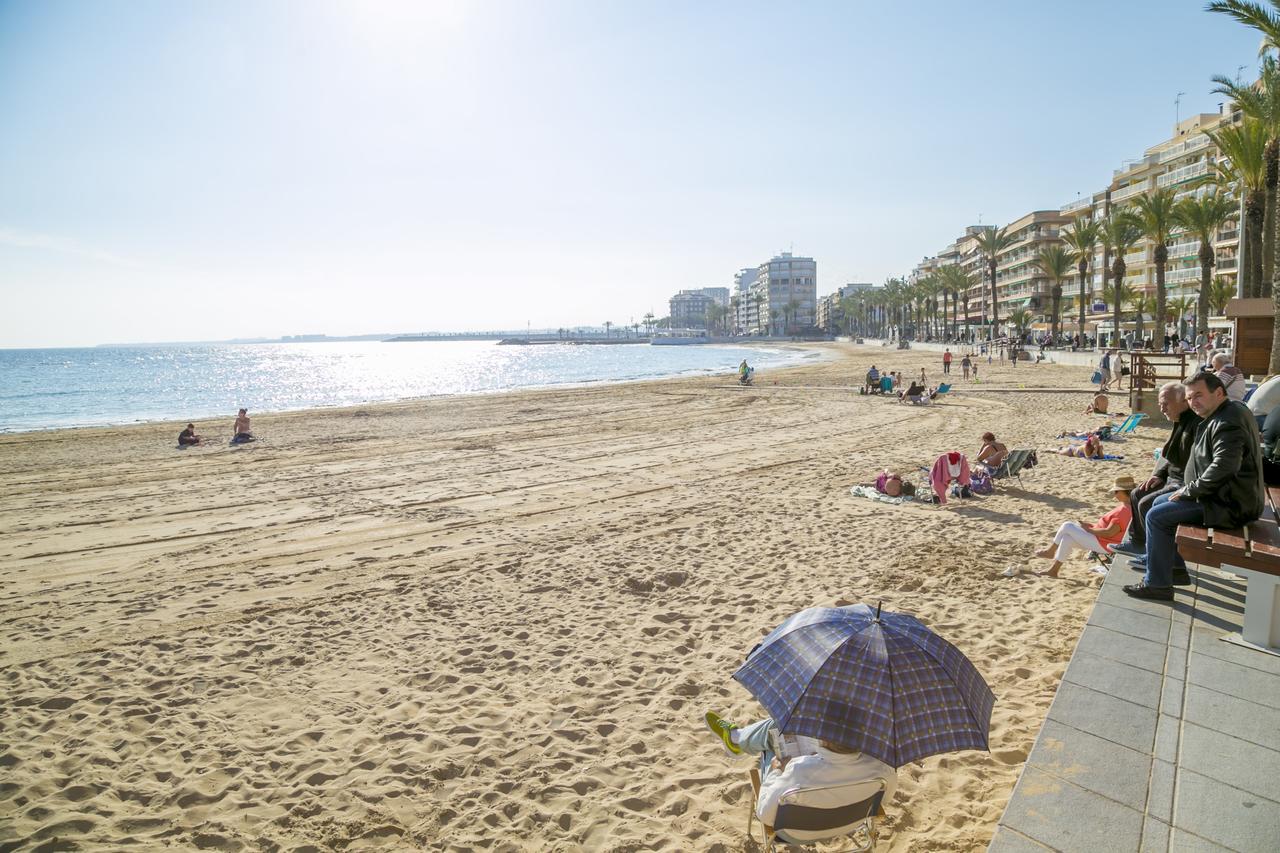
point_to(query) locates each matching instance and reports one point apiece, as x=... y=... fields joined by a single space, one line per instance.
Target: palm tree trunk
x=1254 y=203
x=995 y=307
x=1084 y=294
x=1206 y=278
x=1162 y=258
x=1272 y=155
x=1117 y=273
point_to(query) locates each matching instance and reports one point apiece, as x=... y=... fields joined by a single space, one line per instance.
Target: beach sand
x=495 y=622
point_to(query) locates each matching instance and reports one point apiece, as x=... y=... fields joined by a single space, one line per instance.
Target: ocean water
x=52 y=388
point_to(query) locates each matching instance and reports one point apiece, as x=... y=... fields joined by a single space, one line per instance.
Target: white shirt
x=1266 y=398
x=822 y=768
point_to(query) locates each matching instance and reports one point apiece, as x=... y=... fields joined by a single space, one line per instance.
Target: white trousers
x=1071 y=536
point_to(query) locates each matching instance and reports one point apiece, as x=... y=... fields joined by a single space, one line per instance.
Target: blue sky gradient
x=214 y=170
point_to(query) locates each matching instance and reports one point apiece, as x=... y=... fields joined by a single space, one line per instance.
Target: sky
x=213 y=170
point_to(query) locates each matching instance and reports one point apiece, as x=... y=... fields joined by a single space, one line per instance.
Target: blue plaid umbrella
x=877 y=682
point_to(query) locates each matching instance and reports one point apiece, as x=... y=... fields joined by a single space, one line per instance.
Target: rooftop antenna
x=1177 y=110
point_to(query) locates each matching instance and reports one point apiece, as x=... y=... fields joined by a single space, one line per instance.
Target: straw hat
x=1124 y=484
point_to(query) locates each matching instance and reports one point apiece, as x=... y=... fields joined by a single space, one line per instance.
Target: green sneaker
x=722 y=729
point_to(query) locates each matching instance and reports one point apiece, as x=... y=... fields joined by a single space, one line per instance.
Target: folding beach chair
x=1013 y=465
x=943 y=388
x=1130 y=424
x=800 y=822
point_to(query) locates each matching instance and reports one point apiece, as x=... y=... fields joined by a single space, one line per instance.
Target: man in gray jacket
x=1223 y=483
x=1167 y=474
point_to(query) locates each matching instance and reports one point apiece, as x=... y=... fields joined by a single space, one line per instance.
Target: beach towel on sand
x=870 y=493
x=1110 y=457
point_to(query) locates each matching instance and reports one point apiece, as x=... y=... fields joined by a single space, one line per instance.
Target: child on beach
x=188 y=437
x=1099 y=537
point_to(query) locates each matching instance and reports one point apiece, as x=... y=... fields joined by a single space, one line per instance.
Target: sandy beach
x=495 y=622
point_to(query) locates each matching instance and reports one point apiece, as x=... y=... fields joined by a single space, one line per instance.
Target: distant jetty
x=529 y=342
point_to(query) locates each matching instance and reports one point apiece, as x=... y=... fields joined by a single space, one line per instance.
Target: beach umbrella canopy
x=881 y=683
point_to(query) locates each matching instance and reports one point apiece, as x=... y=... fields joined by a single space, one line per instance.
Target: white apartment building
x=789 y=287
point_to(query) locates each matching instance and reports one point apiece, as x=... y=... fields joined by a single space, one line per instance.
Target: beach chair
x=1123 y=425
x=943 y=388
x=1130 y=424
x=801 y=822
x=1013 y=465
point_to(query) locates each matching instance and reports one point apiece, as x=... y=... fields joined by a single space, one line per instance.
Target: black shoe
x=1155 y=593
x=1130 y=550
x=1181 y=577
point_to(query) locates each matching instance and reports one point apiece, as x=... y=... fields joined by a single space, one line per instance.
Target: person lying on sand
x=1098 y=406
x=891 y=483
x=188 y=437
x=1099 y=537
x=993 y=453
x=1091 y=449
x=826 y=765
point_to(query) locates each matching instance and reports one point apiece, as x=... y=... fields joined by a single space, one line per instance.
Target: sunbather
x=891 y=483
x=243 y=433
x=1098 y=406
x=993 y=453
x=828 y=764
x=1098 y=537
x=914 y=393
x=1091 y=449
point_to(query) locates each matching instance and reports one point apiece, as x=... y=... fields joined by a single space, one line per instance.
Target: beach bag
x=1097 y=377
x=980 y=482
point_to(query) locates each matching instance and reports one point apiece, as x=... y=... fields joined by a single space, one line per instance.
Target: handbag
x=1097 y=377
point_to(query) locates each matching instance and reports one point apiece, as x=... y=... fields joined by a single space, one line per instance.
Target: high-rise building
x=689 y=309
x=786 y=293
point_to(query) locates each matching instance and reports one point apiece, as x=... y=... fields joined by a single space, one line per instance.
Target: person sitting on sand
x=993 y=453
x=1091 y=449
x=1099 y=537
x=188 y=437
x=914 y=393
x=1098 y=406
x=872 y=385
x=828 y=764
x=242 y=431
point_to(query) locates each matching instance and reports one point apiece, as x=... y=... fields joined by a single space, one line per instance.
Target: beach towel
x=941 y=475
x=870 y=493
x=1110 y=457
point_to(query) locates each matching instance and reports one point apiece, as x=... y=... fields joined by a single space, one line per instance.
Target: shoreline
x=500 y=617
x=798 y=361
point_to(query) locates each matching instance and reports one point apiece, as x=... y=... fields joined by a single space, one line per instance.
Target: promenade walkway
x=1161 y=737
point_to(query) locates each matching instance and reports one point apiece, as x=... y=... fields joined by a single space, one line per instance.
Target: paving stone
x=1008 y=841
x=1235 y=680
x=1235 y=762
x=1167 y=734
x=1113 y=594
x=1106 y=716
x=1132 y=683
x=1208 y=642
x=1225 y=815
x=1175 y=663
x=1160 y=796
x=1098 y=765
x=1144 y=625
x=1155 y=836
x=1237 y=717
x=1113 y=645
x=1181 y=841
x=1171 y=696
x=1069 y=818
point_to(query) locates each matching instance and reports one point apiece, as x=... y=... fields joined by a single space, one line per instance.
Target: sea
x=101 y=386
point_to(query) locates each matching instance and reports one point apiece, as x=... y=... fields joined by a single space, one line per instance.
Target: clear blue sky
x=179 y=171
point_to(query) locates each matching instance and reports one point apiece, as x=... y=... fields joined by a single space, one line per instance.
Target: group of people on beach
x=242 y=432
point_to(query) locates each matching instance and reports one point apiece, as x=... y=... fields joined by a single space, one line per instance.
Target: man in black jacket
x=1167 y=474
x=1223 y=480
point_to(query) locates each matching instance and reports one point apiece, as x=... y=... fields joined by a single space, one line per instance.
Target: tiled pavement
x=1161 y=736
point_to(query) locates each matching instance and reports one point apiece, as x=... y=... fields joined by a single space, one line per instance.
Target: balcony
x=1182 y=275
x=1184 y=174
x=1227 y=236
x=1129 y=191
x=1078 y=204
x=1184 y=148
x=1227 y=263
x=1184 y=250
x=1135 y=258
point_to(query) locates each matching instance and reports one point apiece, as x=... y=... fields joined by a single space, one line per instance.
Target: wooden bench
x=1253 y=552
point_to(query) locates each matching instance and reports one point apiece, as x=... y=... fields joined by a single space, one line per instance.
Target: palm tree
x=955 y=279
x=1241 y=171
x=1155 y=217
x=1083 y=240
x=991 y=243
x=1222 y=292
x=1141 y=303
x=773 y=321
x=791 y=309
x=1117 y=294
x=1119 y=232
x=758 y=299
x=1182 y=306
x=1261 y=103
x=648 y=323
x=607 y=325
x=1055 y=262
x=1202 y=217
x=1020 y=320
x=734 y=302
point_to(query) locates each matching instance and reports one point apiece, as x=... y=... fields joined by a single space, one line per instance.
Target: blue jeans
x=1162 y=525
x=754 y=739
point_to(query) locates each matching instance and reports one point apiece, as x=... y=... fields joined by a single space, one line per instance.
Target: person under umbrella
x=876 y=690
